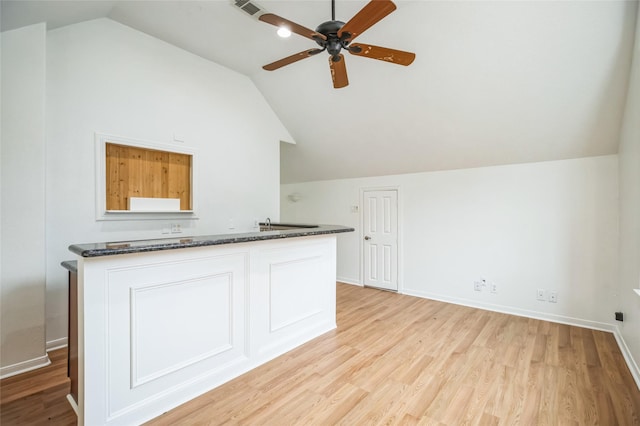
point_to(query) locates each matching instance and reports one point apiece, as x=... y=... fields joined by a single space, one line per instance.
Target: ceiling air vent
x=249 y=7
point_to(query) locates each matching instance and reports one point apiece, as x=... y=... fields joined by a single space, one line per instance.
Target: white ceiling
x=494 y=82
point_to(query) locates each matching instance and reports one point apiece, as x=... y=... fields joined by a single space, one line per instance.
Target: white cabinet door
x=292 y=293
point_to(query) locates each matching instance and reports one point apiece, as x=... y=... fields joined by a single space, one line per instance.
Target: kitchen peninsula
x=163 y=321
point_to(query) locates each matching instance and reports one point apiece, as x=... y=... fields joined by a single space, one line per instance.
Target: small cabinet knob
x=366 y=237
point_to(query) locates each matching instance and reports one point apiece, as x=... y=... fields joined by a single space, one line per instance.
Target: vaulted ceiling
x=494 y=82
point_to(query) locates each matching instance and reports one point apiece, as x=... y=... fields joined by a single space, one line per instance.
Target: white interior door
x=380 y=239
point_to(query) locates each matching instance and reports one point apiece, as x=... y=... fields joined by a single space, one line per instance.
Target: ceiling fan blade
x=338 y=72
x=278 y=21
x=291 y=59
x=394 y=56
x=373 y=12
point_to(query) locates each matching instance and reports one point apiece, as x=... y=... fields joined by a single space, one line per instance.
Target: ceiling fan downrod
x=334 y=43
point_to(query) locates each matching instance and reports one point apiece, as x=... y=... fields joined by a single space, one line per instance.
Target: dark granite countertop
x=140 y=246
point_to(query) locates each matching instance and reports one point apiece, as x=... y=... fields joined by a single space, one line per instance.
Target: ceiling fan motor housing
x=330 y=27
x=333 y=43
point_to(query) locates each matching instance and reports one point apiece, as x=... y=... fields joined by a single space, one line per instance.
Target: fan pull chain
x=333 y=10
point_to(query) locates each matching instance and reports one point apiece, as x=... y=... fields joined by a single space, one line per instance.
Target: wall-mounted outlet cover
x=553 y=296
x=494 y=287
x=540 y=294
x=477 y=285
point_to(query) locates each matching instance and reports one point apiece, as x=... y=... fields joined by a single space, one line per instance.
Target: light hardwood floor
x=398 y=359
x=38 y=397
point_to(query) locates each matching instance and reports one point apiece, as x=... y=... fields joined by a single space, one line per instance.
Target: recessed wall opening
x=142 y=180
x=146 y=173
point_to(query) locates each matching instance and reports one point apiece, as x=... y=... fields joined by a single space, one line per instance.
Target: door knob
x=367 y=237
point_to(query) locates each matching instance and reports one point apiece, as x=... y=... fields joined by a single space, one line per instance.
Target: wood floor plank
x=397 y=360
x=25 y=384
x=335 y=407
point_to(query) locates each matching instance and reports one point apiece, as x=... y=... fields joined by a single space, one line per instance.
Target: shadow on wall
x=23 y=323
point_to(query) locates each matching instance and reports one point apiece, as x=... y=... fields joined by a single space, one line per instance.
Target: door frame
x=397 y=188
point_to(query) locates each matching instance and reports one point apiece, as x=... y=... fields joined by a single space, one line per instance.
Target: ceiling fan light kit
x=335 y=36
x=284 y=32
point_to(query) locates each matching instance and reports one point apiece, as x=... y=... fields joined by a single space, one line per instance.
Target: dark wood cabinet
x=72 y=328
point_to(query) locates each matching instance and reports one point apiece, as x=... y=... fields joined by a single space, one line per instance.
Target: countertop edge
x=70 y=265
x=143 y=246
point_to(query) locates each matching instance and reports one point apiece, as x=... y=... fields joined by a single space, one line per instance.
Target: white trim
x=102 y=213
x=24 y=366
x=73 y=403
x=561 y=319
x=60 y=343
x=136 y=378
x=628 y=357
x=349 y=281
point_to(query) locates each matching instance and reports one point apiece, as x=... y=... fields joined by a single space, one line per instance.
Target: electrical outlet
x=540 y=294
x=553 y=296
x=493 y=287
x=477 y=285
x=176 y=228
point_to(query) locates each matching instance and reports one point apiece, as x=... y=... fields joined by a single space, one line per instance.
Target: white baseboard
x=626 y=353
x=52 y=345
x=32 y=364
x=24 y=366
x=348 y=281
x=73 y=404
x=561 y=319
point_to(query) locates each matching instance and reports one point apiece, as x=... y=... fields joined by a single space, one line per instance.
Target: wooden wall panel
x=141 y=172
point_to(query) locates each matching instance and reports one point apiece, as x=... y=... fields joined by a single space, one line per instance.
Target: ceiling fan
x=334 y=36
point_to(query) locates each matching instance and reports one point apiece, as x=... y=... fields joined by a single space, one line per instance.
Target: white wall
x=105 y=77
x=550 y=225
x=629 y=154
x=22 y=276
